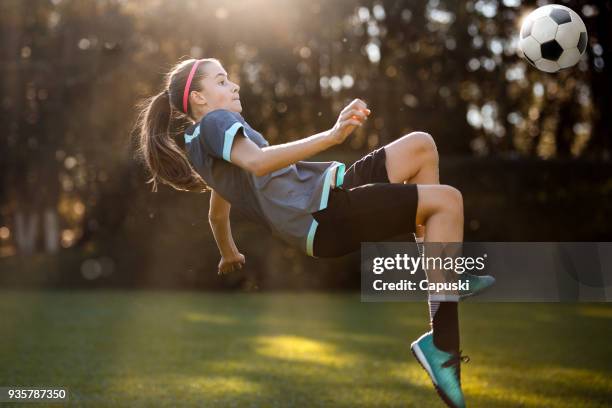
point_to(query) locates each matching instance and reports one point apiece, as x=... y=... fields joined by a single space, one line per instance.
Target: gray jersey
x=282 y=200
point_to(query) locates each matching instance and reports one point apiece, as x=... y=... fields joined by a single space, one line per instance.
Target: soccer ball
x=553 y=37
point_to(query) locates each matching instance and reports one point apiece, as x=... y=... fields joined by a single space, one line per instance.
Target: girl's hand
x=353 y=115
x=231 y=263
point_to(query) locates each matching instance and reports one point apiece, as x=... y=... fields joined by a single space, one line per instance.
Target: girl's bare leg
x=440 y=209
x=413 y=158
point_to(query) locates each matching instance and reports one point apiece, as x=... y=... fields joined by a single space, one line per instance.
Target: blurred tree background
x=530 y=151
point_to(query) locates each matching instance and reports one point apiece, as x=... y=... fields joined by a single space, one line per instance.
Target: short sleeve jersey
x=281 y=201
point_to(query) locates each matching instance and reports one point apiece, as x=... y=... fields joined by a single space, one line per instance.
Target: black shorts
x=366 y=208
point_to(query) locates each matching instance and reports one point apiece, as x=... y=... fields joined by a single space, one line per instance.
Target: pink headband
x=188 y=85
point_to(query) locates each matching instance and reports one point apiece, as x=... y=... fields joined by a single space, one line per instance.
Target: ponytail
x=164 y=159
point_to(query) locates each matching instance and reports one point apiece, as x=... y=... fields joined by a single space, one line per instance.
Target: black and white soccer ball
x=553 y=37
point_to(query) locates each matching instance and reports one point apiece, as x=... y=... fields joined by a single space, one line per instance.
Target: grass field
x=134 y=348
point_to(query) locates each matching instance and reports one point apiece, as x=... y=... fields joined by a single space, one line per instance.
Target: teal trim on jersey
x=323 y=205
x=229 y=139
x=327 y=184
x=340 y=175
x=189 y=138
x=310 y=237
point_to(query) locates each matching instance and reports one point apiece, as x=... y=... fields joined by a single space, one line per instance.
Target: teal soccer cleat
x=443 y=368
x=477 y=284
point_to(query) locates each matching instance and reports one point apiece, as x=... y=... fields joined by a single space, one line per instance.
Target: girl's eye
x=222 y=82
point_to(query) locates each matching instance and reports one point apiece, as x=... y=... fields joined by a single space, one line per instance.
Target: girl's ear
x=198 y=98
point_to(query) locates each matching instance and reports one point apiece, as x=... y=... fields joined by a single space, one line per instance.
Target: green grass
x=171 y=349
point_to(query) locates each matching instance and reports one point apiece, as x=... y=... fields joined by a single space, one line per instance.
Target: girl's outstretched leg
x=440 y=209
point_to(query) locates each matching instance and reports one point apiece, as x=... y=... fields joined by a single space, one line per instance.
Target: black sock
x=445 y=327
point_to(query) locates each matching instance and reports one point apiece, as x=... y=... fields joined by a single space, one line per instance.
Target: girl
x=319 y=207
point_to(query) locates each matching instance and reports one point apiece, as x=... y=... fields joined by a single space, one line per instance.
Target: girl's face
x=218 y=91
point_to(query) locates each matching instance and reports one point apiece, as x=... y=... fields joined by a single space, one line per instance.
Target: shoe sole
x=420 y=357
x=477 y=292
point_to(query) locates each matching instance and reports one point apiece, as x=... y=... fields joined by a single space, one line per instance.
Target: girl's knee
x=422 y=141
x=423 y=144
x=435 y=199
x=453 y=197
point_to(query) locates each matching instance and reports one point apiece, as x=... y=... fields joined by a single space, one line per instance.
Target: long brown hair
x=157 y=130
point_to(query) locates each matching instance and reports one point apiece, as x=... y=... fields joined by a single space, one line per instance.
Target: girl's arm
x=218 y=217
x=250 y=157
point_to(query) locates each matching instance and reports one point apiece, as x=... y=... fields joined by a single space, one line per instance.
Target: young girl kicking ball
x=321 y=208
